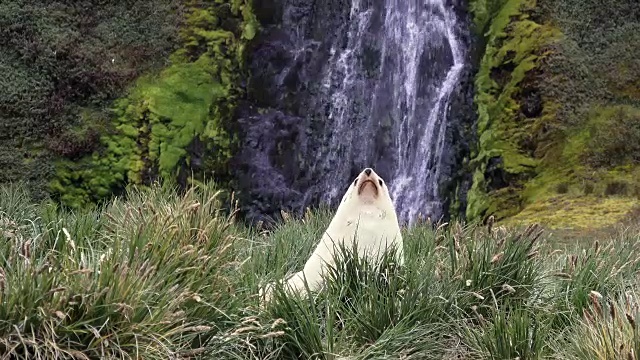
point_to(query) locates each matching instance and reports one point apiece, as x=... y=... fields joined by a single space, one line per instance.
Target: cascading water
x=416 y=176
x=342 y=88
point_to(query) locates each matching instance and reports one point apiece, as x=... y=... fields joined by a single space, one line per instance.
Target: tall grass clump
x=607 y=330
x=608 y=267
x=141 y=278
x=163 y=275
x=452 y=274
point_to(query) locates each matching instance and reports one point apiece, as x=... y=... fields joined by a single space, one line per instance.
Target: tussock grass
x=167 y=276
x=607 y=330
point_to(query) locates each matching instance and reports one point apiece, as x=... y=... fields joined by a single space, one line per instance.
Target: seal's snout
x=368 y=184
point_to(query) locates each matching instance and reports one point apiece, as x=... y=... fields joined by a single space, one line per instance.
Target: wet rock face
x=267 y=162
x=461 y=129
x=276 y=134
x=292 y=51
x=336 y=87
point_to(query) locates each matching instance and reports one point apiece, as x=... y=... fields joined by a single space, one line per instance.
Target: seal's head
x=368 y=188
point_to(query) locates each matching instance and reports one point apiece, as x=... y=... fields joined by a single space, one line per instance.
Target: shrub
x=614 y=137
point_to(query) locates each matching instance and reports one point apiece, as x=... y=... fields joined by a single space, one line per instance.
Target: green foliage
x=60 y=58
x=142 y=277
x=606 y=269
x=161 y=275
x=514 y=48
x=605 y=333
x=557 y=112
x=484 y=11
x=172 y=118
x=592 y=180
x=452 y=274
x=596 y=63
x=577 y=211
x=614 y=137
x=499 y=271
x=521 y=334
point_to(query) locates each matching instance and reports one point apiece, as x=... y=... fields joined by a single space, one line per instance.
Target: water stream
x=359 y=83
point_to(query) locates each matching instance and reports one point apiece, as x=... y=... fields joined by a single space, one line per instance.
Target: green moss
x=515 y=45
x=189 y=103
x=60 y=58
x=574 y=162
x=484 y=12
x=568 y=190
x=570 y=212
x=613 y=136
x=594 y=157
x=477 y=198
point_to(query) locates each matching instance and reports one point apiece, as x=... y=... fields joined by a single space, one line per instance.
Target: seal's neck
x=362 y=210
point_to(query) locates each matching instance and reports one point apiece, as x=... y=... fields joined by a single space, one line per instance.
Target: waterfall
x=353 y=85
x=416 y=177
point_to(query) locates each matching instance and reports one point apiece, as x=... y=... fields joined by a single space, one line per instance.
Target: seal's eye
x=380 y=182
x=355 y=181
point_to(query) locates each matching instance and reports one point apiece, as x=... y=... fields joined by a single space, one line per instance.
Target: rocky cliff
x=340 y=85
x=528 y=110
x=558 y=103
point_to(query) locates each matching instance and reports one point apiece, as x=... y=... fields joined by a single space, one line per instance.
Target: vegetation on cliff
x=558 y=104
x=101 y=95
x=63 y=62
x=163 y=276
x=172 y=124
x=98 y=95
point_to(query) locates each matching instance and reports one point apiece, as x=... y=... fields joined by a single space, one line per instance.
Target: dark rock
x=461 y=129
x=495 y=175
x=266 y=161
x=531 y=103
x=339 y=95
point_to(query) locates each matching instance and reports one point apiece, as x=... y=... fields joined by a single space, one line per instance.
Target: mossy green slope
x=63 y=60
x=558 y=129
x=514 y=48
x=173 y=118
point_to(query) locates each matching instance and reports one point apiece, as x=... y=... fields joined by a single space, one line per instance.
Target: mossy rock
x=554 y=147
x=62 y=58
x=172 y=116
x=515 y=46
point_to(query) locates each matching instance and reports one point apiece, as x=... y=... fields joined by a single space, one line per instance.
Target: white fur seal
x=365 y=213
